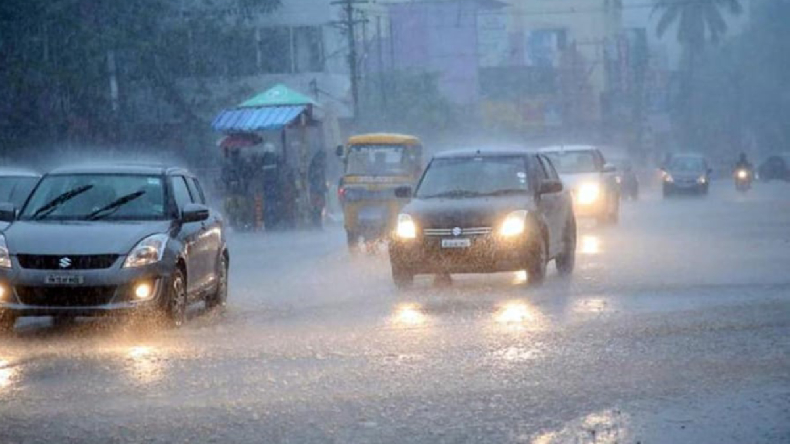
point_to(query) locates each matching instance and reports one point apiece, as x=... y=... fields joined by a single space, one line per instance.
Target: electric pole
x=349 y=23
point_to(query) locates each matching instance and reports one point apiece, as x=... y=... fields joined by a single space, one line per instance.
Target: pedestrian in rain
x=317 y=182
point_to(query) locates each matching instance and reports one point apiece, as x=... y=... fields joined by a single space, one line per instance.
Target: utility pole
x=349 y=23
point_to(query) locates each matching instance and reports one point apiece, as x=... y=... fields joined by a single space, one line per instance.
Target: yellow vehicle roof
x=384 y=139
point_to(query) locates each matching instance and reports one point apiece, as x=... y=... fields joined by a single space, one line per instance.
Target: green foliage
x=57 y=59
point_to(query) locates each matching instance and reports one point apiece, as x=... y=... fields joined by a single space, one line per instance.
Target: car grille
x=65 y=296
x=78 y=262
x=474 y=231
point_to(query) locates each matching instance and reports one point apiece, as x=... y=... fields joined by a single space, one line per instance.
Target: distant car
x=592 y=181
x=15 y=187
x=776 y=167
x=109 y=240
x=686 y=173
x=483 y=212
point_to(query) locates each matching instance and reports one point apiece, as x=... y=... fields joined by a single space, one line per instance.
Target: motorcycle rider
x=743 y=164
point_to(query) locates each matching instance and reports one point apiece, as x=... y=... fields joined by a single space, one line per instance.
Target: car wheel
x=220 y=296
x=402 y=277
x=7 y=322
x=536 y=265
x=566 y=261
x=176 y=309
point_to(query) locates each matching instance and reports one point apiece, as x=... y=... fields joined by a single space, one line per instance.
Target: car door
x=210 y=238
x=189 y=234
x=548 y=203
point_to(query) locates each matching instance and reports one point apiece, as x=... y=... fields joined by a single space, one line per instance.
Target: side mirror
x=194 y=213
x=550 y=186
x=7 y=212
x=609 y=168
x=339 y=151
x=403 y=192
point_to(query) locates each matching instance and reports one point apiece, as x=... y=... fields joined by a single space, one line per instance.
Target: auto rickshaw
x=374 y=166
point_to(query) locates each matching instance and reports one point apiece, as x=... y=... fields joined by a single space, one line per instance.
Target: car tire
x=220 y=296
x=566 y=261
x=402 y=277
x=536 y=264
x=175 y=310
x=7 y=322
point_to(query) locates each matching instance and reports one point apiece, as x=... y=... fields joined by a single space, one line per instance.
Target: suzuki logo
x=456 y=231
x=64 y=262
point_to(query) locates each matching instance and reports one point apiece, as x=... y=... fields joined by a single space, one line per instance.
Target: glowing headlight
x=668 y=178
x=702 y=180
x=143 y=290
x=588 y=193
x=406 y=228
x=2 y=292
x=148 y=251
x=514 y=223
x=5 y=258
x=742 y=174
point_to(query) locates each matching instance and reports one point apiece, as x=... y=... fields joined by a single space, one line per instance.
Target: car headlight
x=743 y=174
x=406 y=228
x=514 y=223
x=668 y=178
x=148 y=251
x=588 y=193
x=5 y=257
x=702 y=180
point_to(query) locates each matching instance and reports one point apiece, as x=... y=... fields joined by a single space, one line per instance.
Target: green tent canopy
x=278 y=95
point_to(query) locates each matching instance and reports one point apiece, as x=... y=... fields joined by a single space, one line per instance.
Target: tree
x=67 y=64
x=697 y=21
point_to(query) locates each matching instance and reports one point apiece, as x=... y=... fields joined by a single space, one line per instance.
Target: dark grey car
x=107 y=240
x=484 y=212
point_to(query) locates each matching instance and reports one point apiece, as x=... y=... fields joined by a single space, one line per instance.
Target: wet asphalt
x=675 y=327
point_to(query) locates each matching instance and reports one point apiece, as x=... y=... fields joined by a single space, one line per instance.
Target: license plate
x=59 y=279
x=456 y=243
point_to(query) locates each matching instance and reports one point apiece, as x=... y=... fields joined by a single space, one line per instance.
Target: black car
x=686 y=173
x=776 y=167
x=112 y=239
x=15 y=186
x=483 y=212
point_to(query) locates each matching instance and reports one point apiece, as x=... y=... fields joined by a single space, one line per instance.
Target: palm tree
x=697 y=22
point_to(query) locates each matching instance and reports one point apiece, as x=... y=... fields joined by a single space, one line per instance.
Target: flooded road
x=675 y=327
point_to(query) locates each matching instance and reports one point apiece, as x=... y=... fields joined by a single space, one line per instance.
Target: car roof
x=566 y=148
x=120 y=168
x=18 y=172
x=481 y=153
x=383 y=138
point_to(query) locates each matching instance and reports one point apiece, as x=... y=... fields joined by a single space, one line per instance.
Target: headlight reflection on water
x=409 y=315
x=144 y=364
x=7 y=374
x=590 y=244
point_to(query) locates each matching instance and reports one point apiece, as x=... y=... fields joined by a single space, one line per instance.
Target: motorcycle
x=743 y=179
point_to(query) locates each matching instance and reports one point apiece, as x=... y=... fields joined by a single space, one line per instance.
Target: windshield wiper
x=114 y=205
x=50 y=206
x=453 y=194
x=505 y=192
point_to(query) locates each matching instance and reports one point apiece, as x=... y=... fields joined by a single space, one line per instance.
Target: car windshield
x=380 y=160
x=97 y=196
x=683 y=163
x=474 y=176
x=16 y=189
x=570 y=162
